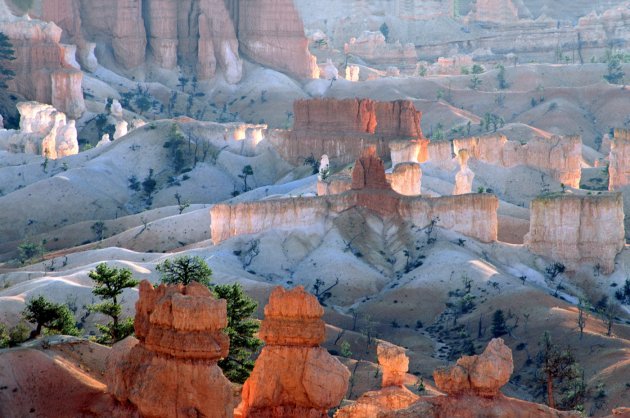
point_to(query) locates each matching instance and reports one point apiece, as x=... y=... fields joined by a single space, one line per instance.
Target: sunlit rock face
x=472 y=386
x=619 y=168
x=42 y=70
x=481 y=375
x=474 y=215
x=394 y=364
x=559 y=156
x=205 y=35
x=406 y=179
x=43 y=130
x=574 y=230
x=293 y=377
x=342 y=128
x=171 y=369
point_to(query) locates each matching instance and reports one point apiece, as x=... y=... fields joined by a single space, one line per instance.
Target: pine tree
x=54 y=317
x=499 y=327
x=110 y=283
x=241 y=329
x=6 y=54
x=185 y=270
x=615 y=73
x=556 y=366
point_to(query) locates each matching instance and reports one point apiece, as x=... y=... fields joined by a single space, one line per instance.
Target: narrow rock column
x=465 y=176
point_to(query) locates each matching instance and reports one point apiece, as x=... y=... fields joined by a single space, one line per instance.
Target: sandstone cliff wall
x=578 y=229
x=559 y=156
x=42 y=74
x=272 y=33
x=474 y=215
x=343 y=128
x=201 y=34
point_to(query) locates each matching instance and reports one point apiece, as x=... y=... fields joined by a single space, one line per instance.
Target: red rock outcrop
x=343 y=128
x=41 y=72
x=271 y=33
x=171 y=369
x=576 y=229
x=200 y=34
x=393 y=396
x=473 y=388
x=119 y=22
x=293 y=377
x=369 y=171
x=619 y=167
x=481 y=375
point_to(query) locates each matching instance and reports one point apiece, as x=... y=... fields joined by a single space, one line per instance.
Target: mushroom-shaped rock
x=481 y=375
x=293 y=376
x=171 y=369
x=394 y=363
x=393 y=396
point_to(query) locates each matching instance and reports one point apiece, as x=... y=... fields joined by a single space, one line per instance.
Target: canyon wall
x=271 y=33
x=41 y=71
x=343 y=128
x=559 y=156
x=574 y=230
x=474 y=215
x=202 y=35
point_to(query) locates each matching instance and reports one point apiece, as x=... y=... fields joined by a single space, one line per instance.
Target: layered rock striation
x=619 y=167
x=42 y=72
x=171 y=369
x=559 y=156
x=474 y=215
x=578 y=229
x=342 y=128
x=293 y=377
x=202 y=35
x=271 y=33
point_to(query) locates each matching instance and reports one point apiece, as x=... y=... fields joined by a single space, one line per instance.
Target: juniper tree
x=54 y=317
